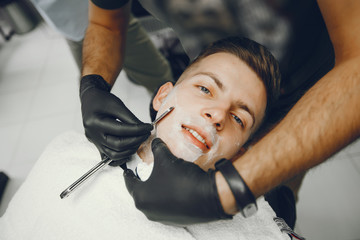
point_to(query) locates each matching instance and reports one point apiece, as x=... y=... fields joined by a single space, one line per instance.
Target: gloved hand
x=177 y=192
x=108 y=123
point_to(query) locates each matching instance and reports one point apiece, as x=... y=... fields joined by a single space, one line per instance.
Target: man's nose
x=216 y=116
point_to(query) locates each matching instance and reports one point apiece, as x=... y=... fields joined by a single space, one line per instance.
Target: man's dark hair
x=256 y=56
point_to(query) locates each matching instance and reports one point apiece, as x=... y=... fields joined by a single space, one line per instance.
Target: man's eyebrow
x=245 y=107
x=214 y=77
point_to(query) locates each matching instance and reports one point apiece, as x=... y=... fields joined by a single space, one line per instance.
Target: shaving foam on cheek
x=188 y=151
x=213 y=151
x=173 y=135
x=209 y=129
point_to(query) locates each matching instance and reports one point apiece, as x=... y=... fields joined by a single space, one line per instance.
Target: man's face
x=219 y=102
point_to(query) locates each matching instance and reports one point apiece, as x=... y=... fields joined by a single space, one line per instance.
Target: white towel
x=102 y=208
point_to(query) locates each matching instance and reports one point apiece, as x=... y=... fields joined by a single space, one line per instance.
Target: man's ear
x=161 y=94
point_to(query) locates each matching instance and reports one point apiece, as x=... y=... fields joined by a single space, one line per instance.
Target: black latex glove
x=108 y=123
x=177 y=192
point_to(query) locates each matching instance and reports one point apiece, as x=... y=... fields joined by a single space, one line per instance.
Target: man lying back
x=219 y=103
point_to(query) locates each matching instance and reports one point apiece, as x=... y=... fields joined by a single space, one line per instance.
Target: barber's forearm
x=104 y=42
x=98 y=54
x=323 y=121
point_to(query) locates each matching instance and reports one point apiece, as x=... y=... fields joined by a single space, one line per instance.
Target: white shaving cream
x=180 y=146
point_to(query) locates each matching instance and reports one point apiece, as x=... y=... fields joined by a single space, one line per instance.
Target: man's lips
x=198 y=137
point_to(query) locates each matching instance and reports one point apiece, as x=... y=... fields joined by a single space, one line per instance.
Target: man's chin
x=188 y=152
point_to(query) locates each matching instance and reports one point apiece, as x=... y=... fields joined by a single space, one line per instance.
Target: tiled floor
x=39 y=100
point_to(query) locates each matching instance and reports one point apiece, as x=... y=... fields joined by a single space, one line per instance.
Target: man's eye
x=204 y=89
x=238 y=120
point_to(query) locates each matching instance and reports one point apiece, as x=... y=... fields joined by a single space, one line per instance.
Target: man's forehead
x=213 y=64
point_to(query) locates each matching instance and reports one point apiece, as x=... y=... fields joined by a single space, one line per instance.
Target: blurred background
x=39 y=100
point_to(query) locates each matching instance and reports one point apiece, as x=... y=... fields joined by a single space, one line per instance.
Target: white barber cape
x=102 y=208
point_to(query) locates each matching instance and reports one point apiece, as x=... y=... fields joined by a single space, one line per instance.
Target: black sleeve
x=110 y=4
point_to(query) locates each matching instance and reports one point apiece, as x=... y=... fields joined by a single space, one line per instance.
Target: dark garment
x=282 y=201
x=294 y=31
